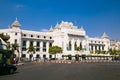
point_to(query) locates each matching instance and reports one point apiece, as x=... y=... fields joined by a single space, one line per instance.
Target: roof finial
x=16 y=18
x=105 y=36
x=75 y=22
x=82 y=28
x=9 y=27
x=51 y=29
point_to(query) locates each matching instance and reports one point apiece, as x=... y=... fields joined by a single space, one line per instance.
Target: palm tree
x=31 y=49
x=15 y=47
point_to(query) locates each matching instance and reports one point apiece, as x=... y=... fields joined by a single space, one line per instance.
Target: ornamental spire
x=82 y=29
x=51 y=29
x=105 y=36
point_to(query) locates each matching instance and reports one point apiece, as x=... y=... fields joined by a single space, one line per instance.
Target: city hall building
x=65 y=35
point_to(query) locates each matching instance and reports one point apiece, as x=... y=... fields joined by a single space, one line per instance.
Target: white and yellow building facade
x=65 y=35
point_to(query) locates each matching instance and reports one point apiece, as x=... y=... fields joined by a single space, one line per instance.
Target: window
x=37 y=49
x=24 y=34
x=69 y=45
x=44 y=46
x=50 y=56
x=92 y=47
x=44 y=37
x=102 y=47
x=95 y=47
x=24 y=43
x=16 y=34
x=91 y=41
x=44 y=56
x=31 y=35
x=50 y=44
x=23 y=49
x=38 y=36
x=15 y=40
x=38 y=44
x=75 y=45
x=99 y=48
x=31 y=42
x=50 y=37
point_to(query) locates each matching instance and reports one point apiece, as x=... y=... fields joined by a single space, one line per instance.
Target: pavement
x=53 y=71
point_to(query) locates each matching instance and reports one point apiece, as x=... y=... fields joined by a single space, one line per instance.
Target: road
x=81 y=71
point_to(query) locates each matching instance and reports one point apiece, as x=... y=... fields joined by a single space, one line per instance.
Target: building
x=65 y=35
x=115 y=44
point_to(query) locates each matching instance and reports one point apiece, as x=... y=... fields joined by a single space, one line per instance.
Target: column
x=27 y=43
x=34 y=43
x=89 y=47
x=97 y=47
x=47 y=47
x=83 y=44
x=72 y=42
x=78 y=43
x=93 y=48
x=100 y=47
x=41 y=46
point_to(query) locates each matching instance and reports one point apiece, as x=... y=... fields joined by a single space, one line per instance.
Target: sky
x=96 y=16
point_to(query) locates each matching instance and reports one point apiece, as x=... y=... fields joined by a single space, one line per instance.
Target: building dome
x=16 y=23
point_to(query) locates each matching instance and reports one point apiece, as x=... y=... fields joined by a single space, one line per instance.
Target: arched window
x=80 y=45
x=75 y=46
x=70 y=45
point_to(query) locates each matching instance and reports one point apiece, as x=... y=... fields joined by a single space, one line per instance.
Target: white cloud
x=44 y=30
x=19 y=6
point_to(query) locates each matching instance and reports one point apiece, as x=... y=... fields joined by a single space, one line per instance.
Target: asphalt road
x=81 y=71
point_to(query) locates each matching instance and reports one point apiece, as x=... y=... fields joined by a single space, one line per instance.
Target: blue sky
x=96 y=16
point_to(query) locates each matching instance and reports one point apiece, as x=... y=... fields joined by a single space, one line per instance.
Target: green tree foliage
x=79 y=49
x=31 y=49
x=15 y=46
x=5 y=37
x=91 y=52
x=113 y=52
x=54 y=50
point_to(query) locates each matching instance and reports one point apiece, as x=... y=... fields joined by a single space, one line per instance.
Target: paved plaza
x=74 y=71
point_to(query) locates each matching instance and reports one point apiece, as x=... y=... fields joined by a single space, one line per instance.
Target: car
x=7 y=68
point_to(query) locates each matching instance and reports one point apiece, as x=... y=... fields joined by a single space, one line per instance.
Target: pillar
x=72 y=42
x=41 y=46
x=47 y=47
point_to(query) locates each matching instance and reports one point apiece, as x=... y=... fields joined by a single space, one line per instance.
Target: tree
x=113 y=52
x=15 y=47
x=5 y=37
x=54 y=50
x=31 y=49
x=91 y=52
x=80 y=48
x=77 y=57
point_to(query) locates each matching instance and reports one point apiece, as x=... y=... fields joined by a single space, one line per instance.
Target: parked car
x=7 y=68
